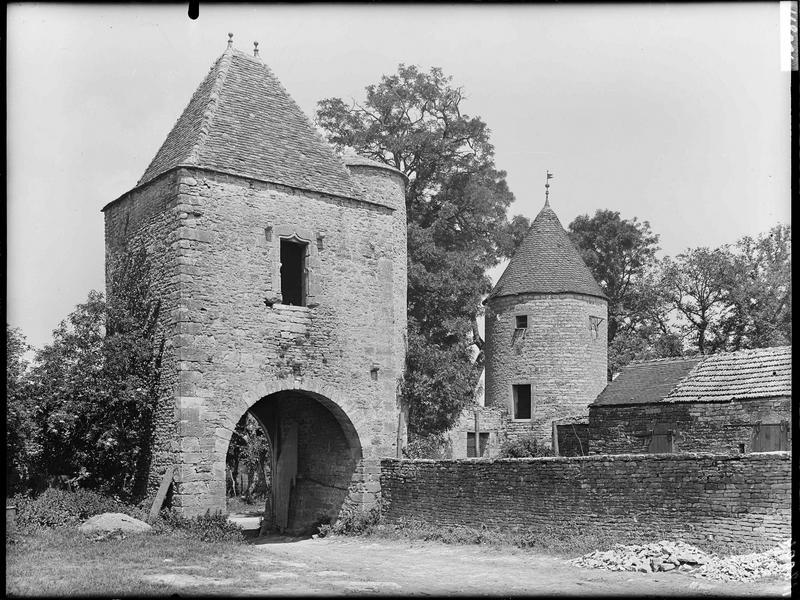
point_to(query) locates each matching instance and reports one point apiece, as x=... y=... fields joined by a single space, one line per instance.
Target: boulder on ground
x=114 y=522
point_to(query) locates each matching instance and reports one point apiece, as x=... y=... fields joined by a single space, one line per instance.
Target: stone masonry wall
x=342 y=346
x=491 y=420
x=558 y=355
x=736 y=498
x=698 y=426
x=230 y=340
x=573 y=439
x=151 y=216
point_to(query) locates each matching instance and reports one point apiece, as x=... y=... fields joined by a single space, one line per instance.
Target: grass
x=62 y=561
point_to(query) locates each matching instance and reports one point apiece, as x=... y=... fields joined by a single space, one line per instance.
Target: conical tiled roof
x=546 y=262
x=242 y=121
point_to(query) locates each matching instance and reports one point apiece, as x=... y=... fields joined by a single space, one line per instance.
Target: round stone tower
x=546 y=333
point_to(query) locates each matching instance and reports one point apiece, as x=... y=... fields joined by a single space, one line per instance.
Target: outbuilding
x=731 y=402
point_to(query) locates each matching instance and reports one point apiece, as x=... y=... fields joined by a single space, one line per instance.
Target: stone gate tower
x=546 y=322
x=280 y=269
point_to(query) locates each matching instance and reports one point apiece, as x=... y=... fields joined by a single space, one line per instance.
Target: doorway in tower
x=305 y=465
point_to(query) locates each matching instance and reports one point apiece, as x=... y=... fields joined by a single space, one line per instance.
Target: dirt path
x=349 y=566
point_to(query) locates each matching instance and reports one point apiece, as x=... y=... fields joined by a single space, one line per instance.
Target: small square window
x=522 y=321
x=522 y=401
x=594 y=326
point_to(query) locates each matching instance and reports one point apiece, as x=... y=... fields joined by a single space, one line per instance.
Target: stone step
x=246 y=522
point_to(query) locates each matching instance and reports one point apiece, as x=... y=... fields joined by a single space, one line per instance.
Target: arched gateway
x=317 y=462
x=280 y=272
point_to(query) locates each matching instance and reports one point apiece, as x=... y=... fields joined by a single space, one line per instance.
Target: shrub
x=353 y=520
x=524 y=447
x=59 y=508
x=211 y=527
x=428 y=446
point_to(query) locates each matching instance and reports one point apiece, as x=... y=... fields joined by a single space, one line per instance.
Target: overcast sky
x=675 y=114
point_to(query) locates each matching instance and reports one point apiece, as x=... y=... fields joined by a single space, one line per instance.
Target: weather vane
x=547 y=188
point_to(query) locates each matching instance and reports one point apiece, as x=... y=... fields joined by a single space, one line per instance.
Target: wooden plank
x=400 y=426
x=162 y=493
x=554 y=439
x=478 y=450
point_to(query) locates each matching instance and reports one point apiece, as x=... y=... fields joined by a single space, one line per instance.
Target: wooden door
x=285 y=473
x=770 y=438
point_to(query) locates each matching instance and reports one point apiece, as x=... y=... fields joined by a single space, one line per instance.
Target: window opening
x=484 y=443
x=522 y=321
x=594 y=326
x=522 y=401
x=293 y=267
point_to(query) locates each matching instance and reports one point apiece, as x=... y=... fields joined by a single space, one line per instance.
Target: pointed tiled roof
x=242 y=121
x=546 y=262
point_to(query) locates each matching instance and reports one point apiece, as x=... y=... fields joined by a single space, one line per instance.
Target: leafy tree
x=762 y=291
x=66 y=389
x=18 y=410
x=698 y=283
x=435 y=383
x=456 y=203
x=648 y=328
x=617 y=252
x=249 y=449
x=95 y=387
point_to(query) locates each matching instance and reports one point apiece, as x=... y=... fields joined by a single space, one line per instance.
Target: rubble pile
x=776 y=562
x=669 y=556
x=657 y=556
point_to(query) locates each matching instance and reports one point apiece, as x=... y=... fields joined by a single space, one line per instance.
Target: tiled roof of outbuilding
x=242 y=121
x=757 y=373
x=546 y=262
x=648 y=381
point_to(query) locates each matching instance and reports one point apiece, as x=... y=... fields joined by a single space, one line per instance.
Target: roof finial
x=230 y=40
x=547 y=188
x=255 y=48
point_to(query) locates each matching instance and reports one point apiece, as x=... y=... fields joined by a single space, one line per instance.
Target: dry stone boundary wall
x=736 y=498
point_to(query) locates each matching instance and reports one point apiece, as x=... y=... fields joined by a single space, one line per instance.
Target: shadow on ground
x=273 y=538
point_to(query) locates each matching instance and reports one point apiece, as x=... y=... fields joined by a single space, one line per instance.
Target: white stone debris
x=668 y=556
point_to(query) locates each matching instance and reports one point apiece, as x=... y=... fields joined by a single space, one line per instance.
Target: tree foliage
x=617 y=252
x=18 y=409
x=456 y=202
x=93 y=390
x=703 y=300
x=761 y=296
x=249 y=451
x=699 y=285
